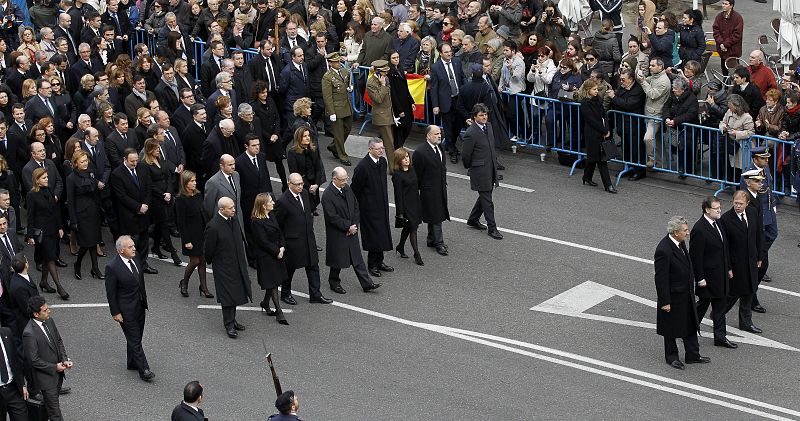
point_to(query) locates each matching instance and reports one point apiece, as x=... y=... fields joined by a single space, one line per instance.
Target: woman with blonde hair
x=83 y=205
x=302 y=118
x=269 y=249
x=303 y=158
x=44 y=229
x=191 y=221
x=407 y=203
x=162 y=192
x=28 y=44
x=224 y=107
x=28 y=90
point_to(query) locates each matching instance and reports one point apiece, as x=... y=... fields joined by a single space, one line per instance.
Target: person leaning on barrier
x=629 y=97
x=656 y=88
x=770 y=116
x=736 y=127
x=681 y=107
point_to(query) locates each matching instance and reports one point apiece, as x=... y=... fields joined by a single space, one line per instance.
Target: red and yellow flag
x=417 y=85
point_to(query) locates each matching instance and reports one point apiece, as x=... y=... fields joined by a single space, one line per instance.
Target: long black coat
x=406 y=195
x=341 y=211
x=191 y=221
x=298 y=230
x=630 y=129
x=432 y=178
x=479 y=158
x=674 y=286
x=745 y=246
x=270 y=125
x=253 y=181
x=193 y=137
x=266 y=239
x=20 y=290
x=710 y=258
x=161 y=181
x=83 y=205
x=682 y=109
x=129 y=198
x=371 y=190
x=309 y=165
x=224 y=248
x=595 y=127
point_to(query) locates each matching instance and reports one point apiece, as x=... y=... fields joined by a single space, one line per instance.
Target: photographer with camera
x=552 y=27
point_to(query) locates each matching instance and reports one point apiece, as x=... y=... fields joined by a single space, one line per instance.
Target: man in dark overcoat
x=711 y=264
x=430 y=166
x=294 y=214
x=674 y=278
x=224 y=248
x=481 y=163
x=370 y=189
x=341 y=211
x=746 y=241
x=629 y=97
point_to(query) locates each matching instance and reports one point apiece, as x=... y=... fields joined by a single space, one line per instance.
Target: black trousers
x=374 y=259
x=228 y=316
x=133 y=328
x=11 y=403
x=588 y=172
x=452 y=128
x=770 y=235
x=484 y=206
x=435 y=235
x=51 y=402
x=142 y=243
x=745 y=309
x=312 y=273
x=690 y=345
x=361 y=273
x=719 y=306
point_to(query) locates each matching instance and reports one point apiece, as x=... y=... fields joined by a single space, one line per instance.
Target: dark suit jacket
x=298 y=229
x=283 y=47
x=341 y=211
x=99 y=163
x=129 y=198
x=254 y=180
x=440 y=92
x=479 y=158
x=20 y=291
x=180 y=118
x=124 y=23
x=208 y=71
x=258 y=68
x=14 y=360
x=80 y=68
x=710 y=259
x=193 y=138
x=115 y=146
x=36 y=110
x=674 y=280
x=126 y=293
x=432 y=177
x=745 y=246
x=184 y=412
x=88 y=34
x=58 y=31
x=55 y=182
x=217 y=187
x=174 y=151
x=293 y=86
x=167 y=99
x=14 y=81
x=43 y=354
x=211 y=109
x=214 y=147
x=16 y=151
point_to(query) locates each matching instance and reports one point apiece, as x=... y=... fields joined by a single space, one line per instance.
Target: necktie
x=93 y=151
x=71 y=41
x=3 y=145
x=133 y=269
x=300 y=201
x=135 y=177
x=125 y=137
x=270 y=76
x=172 y=139
x=451 y=76
x=718 y=230
x=48 y=334
x=116 y=23
x=303 y=72
x=255 y=164
x=230 y=180
x=4 y=369
x=24 y=128
x=49 y=107
x=485 y=130
x=684 y=250
x=292 y=43
x=743 y=220
x=41 y=164
x=8 y=245
x=438 y=154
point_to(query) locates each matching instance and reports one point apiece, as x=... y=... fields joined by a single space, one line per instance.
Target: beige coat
x=381 y=98
x=743 y=124
x=657 y=89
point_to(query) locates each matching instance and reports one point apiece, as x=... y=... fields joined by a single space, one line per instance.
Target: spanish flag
x=417 y=86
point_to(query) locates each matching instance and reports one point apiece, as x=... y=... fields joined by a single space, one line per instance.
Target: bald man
x=225 y=183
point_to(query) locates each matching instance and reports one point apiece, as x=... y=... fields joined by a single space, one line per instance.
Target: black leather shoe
x=60 y=263
x=700 y=360
x=454 y=158
x=176 y=260
x=338 y=289
x=149 y=270
x=289 y=300
x=496 y=235
x=611 y=189
x=369 y=288
x=147 y=375
x=589 y=182
x=678 y=364
x=345 y=162
x=238 y=326
x=501 y=167
x=319 y=248
x=442 y=250
x=97 y=274
x=64 y=390
x=759 y=309
x=77 y=272
x=751 y=329
x=375 y=272
x=232 y=333
x=476 y=224
x=766 y=278
x=385 y=268
x=320 y=300
x=160 y=254
x=726 y=344
x=332 y=149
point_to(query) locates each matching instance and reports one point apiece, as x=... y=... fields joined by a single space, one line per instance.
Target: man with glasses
x=183 y=113
x=138 y=98
x=712 y=268
x=657 y=88
x=42 y=105
x=629 y=97
x=761 y=75
x=224 y=81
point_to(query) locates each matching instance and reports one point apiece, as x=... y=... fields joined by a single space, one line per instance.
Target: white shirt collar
x=223 y=216
x=674 y=241
x=710 y=221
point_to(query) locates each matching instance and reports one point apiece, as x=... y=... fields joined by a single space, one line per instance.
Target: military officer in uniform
x=336 y=89
x=760 y=162
x=761 y=201
x=382 y=114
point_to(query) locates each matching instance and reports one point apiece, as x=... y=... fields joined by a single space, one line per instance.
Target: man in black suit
x=119 y=140
x=342 y=219
x=119 y=22
x=224 y=248
x=62 y=30
x=92 y=29
x=20 y=289
x=743 y=224
x=193 y=137
x=172 y=145
x=100 y=166
x=139 y=97
x=431 y=169
x=13 y=392
x=447 y=77
x=45 y=351
x=167 y=89
x=42 y=105
x=712 y=268
x=9 y=247
x=114 y=46
x=15 y=77
x=674 y=279
x=254 y=175
x=130 y=184
x=127 y=300
x=211 y=67
x=189 y=409
x=220 y=141
x=182 y=115
x=294 y=214
x=481 y=164
x=85 y=65
x=287 y=44
x=38 y=160
x=267 y=67
x=13 y=145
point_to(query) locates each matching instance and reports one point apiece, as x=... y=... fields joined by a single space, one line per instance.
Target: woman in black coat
x=83 y=205
x=407 y=204
x=402 y=101
x=161 y=194
x=303 y=158
x=302 y=118
x=191 y=222
x=595 y=129
x=268 y=247
x=693 y=39
x=43 y=215
x=267 y=112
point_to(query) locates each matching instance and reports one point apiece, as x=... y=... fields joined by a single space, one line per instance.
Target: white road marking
x=87 y=305
x=607 y=369
x=219 y=307
x=577 y=300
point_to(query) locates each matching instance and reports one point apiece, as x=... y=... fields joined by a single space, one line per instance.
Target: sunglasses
x=55 y=84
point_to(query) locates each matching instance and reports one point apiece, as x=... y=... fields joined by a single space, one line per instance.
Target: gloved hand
x=397 y=121
x=333 y=117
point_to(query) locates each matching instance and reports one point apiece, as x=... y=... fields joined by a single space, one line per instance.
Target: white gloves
x=333 y=117
x=397 y=121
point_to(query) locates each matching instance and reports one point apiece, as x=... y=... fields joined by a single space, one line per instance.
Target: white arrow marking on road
x=576 y=301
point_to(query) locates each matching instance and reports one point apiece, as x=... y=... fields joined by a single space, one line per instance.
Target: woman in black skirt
x=267 y=111
x=43 y=215
x=269 y=247
x=402 y=101
x=303 y=158
x=83 y=205
x=161 y=192
x=406 y=197
x=191 y=221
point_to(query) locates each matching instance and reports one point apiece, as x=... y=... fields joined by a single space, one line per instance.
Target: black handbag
x=399 y=221
x=608 y=149
x=35 y=233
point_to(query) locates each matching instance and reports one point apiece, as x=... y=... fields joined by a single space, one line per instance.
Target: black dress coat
x=371 y=190
x=266 y=239
x=595 y=127
x=83 y=205
x=745 y=246
x=193 y=137
x=341 y=211
x=478 y=156
x=297 y=226
x=243 y=128
x=674 y=280
x=309 y=165
x=406 y=196
x=710 y=259
x=431 y=172
x=253 y=181
x=401 y=97
x=129 y=197
x=630 y=129
x=43 y=214
x=224 y=248
x=161 y=181
x=20 y=290
x=191 y=222
x=14 y=360
x=184 y=412
x=270 y=125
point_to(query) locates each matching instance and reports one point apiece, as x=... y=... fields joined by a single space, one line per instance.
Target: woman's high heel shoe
x=265 y=308
x=46 y=287
x=77 y=272
x=283 y=321
x=611 y=189
x=184 y=290
x=418 y=260
x=401 y=252
x=589 y=182
x=63 y=294
x=206 y=293
x=95 y=272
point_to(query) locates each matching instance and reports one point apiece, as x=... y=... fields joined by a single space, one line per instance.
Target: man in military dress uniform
x=336 y=89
